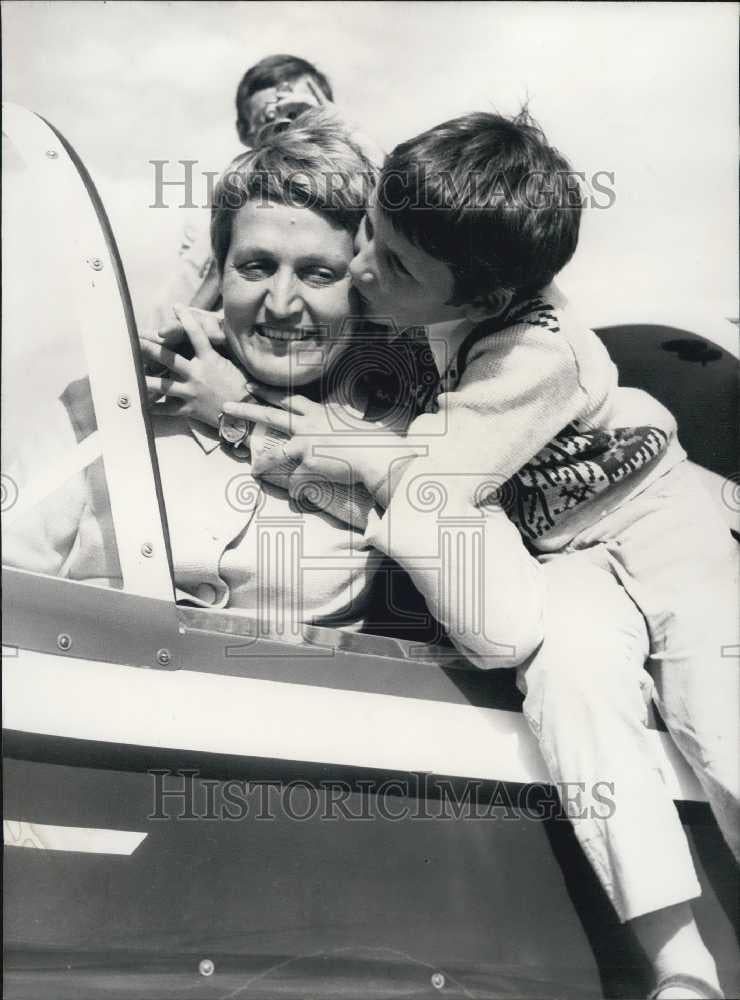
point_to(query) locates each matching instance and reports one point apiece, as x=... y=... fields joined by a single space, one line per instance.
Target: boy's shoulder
x=548 y=309
x=544 y=317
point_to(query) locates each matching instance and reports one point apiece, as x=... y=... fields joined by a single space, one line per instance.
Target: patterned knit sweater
x=530 y=412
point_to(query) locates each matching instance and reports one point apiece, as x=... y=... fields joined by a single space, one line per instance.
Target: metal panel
x=496 y=906
x=315 y=908
x=77 y=619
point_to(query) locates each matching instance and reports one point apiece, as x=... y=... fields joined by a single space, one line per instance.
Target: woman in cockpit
x=284 y=219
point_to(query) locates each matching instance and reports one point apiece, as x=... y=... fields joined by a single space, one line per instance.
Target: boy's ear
x=242 y=130
x=490 y=305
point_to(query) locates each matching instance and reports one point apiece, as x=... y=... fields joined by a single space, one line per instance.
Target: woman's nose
x=283 y=300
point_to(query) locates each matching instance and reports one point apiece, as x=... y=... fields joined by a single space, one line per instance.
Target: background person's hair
x=312 y=163
x=271 y=72
x=489 y=197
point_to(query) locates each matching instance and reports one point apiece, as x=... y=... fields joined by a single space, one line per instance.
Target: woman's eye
x=255 y=269
x=319 y=276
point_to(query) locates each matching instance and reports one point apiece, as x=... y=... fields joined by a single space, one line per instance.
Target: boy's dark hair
x=271 y=72
x=490 y=198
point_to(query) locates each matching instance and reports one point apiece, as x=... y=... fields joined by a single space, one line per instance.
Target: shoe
x=702 y=989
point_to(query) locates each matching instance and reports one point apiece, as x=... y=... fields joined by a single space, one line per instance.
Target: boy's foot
x=680 y=987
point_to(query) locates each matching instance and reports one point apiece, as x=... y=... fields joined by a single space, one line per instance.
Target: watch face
x=233 y=430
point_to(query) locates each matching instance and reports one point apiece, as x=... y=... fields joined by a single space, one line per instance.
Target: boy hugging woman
x=604 y=575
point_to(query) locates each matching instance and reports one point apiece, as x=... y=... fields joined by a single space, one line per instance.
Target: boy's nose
x=361 y=271
x=358 y=241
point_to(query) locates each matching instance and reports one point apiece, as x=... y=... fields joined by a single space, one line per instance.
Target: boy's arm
x=445 y=523
x=342 y=474
x=473 y=570
x=348 y=502
x=516 y=393
x=483 y=432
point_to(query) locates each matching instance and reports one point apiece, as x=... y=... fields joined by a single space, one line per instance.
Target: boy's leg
x=585 y=699
x=683 y=567
x=699 y=699
x=586 y=696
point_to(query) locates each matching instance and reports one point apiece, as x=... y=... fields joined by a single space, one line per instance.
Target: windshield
x=79 y=498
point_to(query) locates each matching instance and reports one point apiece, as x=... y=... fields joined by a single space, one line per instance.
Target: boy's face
x=255 y=110
x=397 y=279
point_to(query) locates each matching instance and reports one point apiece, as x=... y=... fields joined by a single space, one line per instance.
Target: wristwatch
x=234 y=431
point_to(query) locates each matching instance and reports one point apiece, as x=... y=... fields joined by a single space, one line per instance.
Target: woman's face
x=286 y=292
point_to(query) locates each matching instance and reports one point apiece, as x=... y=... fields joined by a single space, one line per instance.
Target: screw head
x=206 y=967
x=438 y=980
x=123 y=401
x=147 y=550
x=64 y=641
x=164 y=657
x=96 y=264
x=52 y=154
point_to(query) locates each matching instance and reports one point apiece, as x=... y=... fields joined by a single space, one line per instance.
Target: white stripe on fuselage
x=83 y=839
x=247 y=717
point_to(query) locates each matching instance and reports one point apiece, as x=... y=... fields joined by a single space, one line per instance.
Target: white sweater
x=538 y=415
x=532 y=440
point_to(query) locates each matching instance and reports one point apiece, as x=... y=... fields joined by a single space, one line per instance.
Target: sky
x=646 y=92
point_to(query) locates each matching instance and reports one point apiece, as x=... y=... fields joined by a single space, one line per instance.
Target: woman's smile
x=289 y=333
x=286 y=291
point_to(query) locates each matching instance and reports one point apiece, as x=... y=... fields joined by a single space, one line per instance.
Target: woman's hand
x=171 y=332
x=199 y=387
x=328 y=441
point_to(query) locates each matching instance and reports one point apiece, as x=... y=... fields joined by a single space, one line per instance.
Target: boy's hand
x=199 y=387
x=315 y=444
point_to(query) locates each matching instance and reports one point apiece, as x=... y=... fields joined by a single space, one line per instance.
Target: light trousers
x=643 y=604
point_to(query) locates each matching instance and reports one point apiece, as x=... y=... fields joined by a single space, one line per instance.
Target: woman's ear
x=489 y=306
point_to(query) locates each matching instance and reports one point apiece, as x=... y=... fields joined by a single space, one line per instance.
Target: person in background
x=278 y=85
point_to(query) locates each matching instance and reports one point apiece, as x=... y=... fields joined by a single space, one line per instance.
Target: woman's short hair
x=312 y=163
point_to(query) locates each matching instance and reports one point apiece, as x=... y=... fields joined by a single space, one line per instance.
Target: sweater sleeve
x=349 y=504
x=474 y=572
x=520 y=387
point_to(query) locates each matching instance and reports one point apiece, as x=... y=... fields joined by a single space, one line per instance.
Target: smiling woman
x=285 y=218
x=286 y=291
